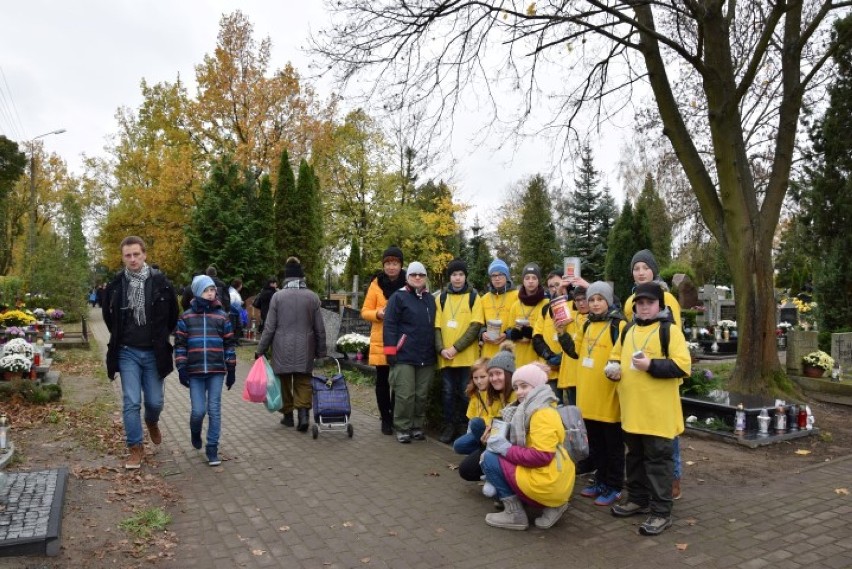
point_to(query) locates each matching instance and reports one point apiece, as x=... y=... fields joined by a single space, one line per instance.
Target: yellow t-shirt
x=568 y=368
x=496 y=307
x=524 y=351
x=545 y=327
x=453 y=321
x=478 y=407
x=596 y=395
x=650 y=405
x=549 y=485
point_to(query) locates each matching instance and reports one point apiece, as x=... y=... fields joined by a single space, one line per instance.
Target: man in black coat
x=140 y=310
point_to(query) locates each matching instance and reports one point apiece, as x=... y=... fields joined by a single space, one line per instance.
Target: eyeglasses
x=417 y=275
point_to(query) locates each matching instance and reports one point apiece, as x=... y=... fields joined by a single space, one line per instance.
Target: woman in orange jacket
x=389 y=280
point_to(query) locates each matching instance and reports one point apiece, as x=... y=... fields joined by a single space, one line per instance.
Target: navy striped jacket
x=204 y=339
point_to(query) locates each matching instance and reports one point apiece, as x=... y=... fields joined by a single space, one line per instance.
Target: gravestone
x=841 y=351
x=331 y=320
x=789 y=313
x=799 y=344
x=710 y=299
x=687 y=293
x=727 y=310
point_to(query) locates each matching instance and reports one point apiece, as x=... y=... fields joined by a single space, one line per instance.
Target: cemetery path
x=282 y=498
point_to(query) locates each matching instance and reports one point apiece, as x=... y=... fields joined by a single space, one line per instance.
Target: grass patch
x=143 y=524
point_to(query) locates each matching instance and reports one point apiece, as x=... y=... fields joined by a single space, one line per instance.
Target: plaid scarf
x=519 y=416
x=136 y=292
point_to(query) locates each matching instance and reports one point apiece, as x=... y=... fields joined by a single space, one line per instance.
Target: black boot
x=287 y=421
x=387 y=427
x=303 y=420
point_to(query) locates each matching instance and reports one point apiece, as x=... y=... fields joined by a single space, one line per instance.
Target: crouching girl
x=531 y=466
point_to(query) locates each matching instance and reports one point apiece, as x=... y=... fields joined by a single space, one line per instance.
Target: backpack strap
x=472 y=294
x=665 y=334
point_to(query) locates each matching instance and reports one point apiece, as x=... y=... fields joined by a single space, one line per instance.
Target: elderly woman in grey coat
x=295 y=331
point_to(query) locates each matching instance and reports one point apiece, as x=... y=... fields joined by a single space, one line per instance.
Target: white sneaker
x=489 y=490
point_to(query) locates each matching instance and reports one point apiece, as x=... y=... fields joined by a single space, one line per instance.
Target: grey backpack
x=576 y=437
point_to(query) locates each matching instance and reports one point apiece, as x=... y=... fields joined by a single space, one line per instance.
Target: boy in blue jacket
x=204 y=356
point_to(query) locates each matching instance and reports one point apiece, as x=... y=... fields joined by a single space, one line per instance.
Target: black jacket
x=411 y=315
x=161 y=311
x=262 y=300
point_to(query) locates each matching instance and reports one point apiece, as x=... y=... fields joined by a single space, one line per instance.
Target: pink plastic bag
x=254 y=389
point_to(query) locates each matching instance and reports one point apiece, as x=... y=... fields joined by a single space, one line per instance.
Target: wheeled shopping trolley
x=332 y=408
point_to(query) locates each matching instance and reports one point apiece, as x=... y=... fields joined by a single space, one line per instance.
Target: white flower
x=18 y=346
x=15 y=363
x=353 y=342
x=727 y=323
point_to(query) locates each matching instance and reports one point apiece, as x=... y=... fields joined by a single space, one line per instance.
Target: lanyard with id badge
x=639 y=352
x=588 y=361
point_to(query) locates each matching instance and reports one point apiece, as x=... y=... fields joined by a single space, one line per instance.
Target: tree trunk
x=757 y=366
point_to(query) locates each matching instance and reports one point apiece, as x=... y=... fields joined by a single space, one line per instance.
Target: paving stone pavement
x=283 y=499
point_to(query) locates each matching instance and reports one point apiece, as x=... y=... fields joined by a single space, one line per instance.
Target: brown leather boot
x=134 y=461
x=154 y=432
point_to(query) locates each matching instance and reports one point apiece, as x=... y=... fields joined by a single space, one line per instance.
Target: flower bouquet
x=55 y=314
x=818 y=359
x=694 y=350
x=18 y=346
x=39 y=313
x=15 y=332
x=15 y=363
x=353 y=343
x=16 y=318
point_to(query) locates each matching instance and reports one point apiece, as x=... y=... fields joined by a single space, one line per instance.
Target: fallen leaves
x=681 y=546
x=802 y=451
x=841 y=491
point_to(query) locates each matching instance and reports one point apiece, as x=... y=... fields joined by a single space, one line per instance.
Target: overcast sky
x=72 y=64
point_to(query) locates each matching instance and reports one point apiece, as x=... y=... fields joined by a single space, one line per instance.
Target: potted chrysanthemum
x=815 y=364
x=13 y=365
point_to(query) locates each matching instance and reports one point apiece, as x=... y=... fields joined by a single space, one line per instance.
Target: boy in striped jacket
x=204 y=357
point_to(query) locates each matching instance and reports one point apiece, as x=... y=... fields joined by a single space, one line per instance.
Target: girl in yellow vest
x=545 y=337
x=524 y=315
x=596 y=395
x=496 y=304
x=567 y=379
x=530 y=464
x=458 y=320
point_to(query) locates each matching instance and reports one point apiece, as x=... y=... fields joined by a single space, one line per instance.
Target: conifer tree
x=478 y=258
x=537 y=238
x=262 y=235
x=354 y=266
x=285 y=191
x=586 y=219
x=828 y=202
x=628 y=235
x=660 y=223
x=301 y=234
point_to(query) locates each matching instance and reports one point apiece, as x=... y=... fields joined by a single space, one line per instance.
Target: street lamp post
x=34 y=203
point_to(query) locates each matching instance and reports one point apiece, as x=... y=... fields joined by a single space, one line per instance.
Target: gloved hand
x=513 y=334
x=230 y=379
x=498 y=445
x=554 y=361
x=183 y=377
x=526 y=332
x=391 y=360
x=613 y=371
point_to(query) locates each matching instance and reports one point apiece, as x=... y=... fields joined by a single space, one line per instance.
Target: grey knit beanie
x=602 y=288
x=504 y=359
x=645 y=256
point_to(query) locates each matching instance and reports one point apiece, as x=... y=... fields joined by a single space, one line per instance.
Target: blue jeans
x=494 y=474
x=205 y=397
x=470 y=441
x=678 y=467
x=453 y=393
x=139 y=380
